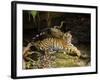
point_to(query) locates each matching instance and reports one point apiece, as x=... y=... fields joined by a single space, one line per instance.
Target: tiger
x=58 y=44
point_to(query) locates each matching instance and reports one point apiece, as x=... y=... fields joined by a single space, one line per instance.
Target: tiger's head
x=67 y=37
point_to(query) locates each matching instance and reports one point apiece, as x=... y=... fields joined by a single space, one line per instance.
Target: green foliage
x=33 y=13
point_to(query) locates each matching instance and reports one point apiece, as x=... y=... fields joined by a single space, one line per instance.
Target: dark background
x=77 y=23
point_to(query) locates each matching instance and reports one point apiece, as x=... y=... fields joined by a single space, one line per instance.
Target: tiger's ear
x=65 y=35
x=68 y=32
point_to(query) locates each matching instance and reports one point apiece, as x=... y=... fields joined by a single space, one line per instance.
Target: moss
x=64 y=60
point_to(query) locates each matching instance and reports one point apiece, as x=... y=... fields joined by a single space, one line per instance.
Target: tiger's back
x=55 y=44
x=50 y=43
